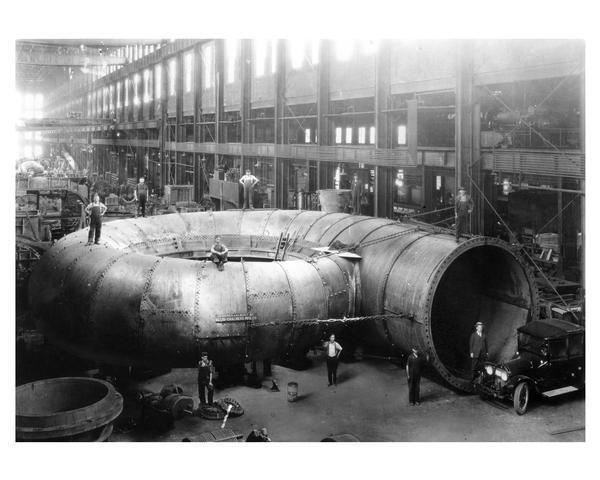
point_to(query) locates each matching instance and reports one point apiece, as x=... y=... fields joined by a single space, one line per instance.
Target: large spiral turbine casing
x=147 y=295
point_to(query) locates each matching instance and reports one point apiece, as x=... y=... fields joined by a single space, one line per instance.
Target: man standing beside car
x=478 y=349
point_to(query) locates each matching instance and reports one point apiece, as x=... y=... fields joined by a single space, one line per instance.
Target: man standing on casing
x=478 y=349
x=333 y=350
x=248 y=181
x=96 y=211
x=462 y=208
x=141 y=195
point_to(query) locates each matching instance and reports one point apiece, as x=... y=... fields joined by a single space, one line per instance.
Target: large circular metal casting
x=148 y=295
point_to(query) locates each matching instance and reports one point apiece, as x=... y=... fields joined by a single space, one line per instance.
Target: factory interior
x=240 y=239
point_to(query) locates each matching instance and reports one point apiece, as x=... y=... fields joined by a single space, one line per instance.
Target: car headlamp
x=502 y=374
x=489 y=369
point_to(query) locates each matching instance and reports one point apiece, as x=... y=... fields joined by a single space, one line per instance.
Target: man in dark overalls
x=141 y=195
x=462 y=208
x=414 y=366
x=95 y=210
x=356 y=194
x=205 y=376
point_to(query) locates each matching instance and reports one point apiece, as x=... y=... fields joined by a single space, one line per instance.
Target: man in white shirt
x=248 y=181
x=332 y=350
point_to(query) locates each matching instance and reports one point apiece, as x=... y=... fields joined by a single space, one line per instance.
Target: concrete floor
x=371 y=403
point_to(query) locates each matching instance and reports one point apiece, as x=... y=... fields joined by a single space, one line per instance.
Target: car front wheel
x=521 y=398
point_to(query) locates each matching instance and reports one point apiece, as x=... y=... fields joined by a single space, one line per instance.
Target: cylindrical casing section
x=131 y=301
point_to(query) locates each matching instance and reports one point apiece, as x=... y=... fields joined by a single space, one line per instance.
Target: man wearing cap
x=333 y=350
x=477 y=349
x=141 y=195
x=414 y=365
x=205 y=377
x=462 y=208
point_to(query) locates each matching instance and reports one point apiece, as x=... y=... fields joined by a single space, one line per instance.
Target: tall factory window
x=362 y=135
x=37 y=151
x=127 y=81
x=118 y=94
x=401 y=134
x=28 y=151
x=231 y=52
x=207 y=64
x=188 y=71
x=273 y=56
x=307 y=135
x=89 y=105
x=147 y=90
x=372 y=135
x=260 y=57
x=297 y=53
x=38 y=105
x=348 y=134
x=136 y=91
x=172 y=76
x=105 y=100
x=314 y=51
x=344 y=49
x=158 y=81
x=111 y=98
x=338 y=134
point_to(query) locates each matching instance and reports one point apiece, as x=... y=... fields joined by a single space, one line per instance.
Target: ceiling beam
x=66 y=60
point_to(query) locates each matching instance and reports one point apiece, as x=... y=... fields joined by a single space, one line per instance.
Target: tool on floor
x=229 y=407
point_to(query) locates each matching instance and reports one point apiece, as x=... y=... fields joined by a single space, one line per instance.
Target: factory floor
x=370 y=402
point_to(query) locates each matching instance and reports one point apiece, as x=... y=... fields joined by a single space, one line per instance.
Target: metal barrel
x=138 y=299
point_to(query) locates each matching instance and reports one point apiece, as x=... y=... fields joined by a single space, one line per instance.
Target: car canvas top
x=550 y=328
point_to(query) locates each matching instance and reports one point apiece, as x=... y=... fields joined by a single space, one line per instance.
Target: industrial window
x=136 y=91
x=126 y=92
x=207 y=64
x=147 y=90
x=89 y=104
x=260 y=57
x=231 y=52
x=348 y=134
x=344 y=49
x=158 y=81
x=314 y=52
x=111 y=97
x=105 y=99
x=38 y=136
x=172 y=74
x=188 y=70
x=438 y=182
x=307 y=135
x=401 y=134
x=372 y=135
x=362 y=134
x=273 y=56
x=28 y=136
x=118 y=94
x=37 y=151
x=338 y=134
x=297 y=53
x=27 y=151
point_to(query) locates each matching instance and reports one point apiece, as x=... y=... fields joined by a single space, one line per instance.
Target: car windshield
x=532 y=344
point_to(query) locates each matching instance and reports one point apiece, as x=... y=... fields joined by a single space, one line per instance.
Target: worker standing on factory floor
x=96 y=211
x=478 y=349
x=141 y=195
x=414 y=365
x=218 y=253
x=205 y=379
x=333 y=350
x=356 y=195
x=462 y=209
x=248 y=181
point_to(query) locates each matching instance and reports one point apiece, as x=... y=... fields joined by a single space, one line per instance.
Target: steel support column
x=383 y=202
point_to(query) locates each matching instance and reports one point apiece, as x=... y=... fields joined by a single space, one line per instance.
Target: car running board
x=559 y=391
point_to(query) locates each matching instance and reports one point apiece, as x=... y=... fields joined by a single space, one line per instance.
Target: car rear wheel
x=521 y=398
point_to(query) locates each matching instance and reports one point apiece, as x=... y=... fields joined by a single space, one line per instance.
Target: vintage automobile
x=550 y=361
